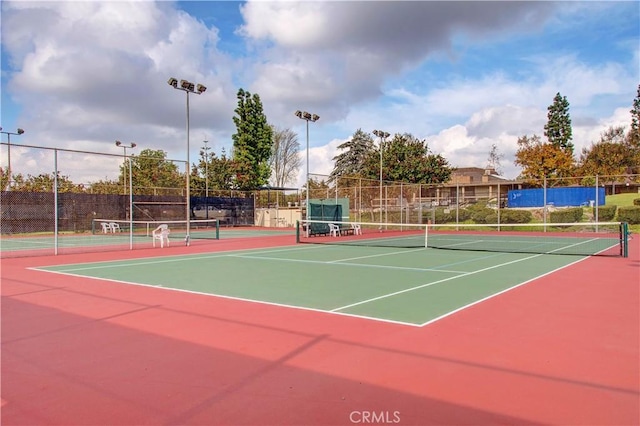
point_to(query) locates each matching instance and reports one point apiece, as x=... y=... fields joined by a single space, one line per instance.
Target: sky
x=461 y=75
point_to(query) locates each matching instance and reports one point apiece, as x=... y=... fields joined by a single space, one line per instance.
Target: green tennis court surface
x=408 y=286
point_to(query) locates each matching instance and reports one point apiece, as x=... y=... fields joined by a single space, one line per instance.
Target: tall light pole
x=306 y=116
x=206 y=149
x=187 y=87
x=382 y=135
x=124 y=166
x=17 y=133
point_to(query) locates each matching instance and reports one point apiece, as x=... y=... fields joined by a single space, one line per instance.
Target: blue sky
x=461 y=75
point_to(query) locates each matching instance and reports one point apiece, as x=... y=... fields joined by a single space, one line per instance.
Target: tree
x=318 y=188
x=105 y=187
x=634 y=132
x=252 y=143
x=4 y=178
x=613 y=155
x=558 y=127
x=541 y=160
x=407 y=159
x=220 y=171
x=151 y=170
x=285 y=157
x=606 y=157
x=495 y=156
x=351 y=161
x=45 y=183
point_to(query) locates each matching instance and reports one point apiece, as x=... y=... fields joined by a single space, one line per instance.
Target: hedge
x=515 y=216
x=629 y=214
x=442 y=217
x=605 y=213
x=636 y=201
x=567 y=215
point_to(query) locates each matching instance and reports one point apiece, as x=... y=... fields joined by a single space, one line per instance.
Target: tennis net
x=585 y=239
x=198 y=228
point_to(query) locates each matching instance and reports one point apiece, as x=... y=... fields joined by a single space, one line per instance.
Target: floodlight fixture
x=173 y=82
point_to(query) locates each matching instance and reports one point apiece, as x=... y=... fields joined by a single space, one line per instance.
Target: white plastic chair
x=356 y=229
x=334 y=230
x=106 y=228
x=115 y=227
x=161 y=233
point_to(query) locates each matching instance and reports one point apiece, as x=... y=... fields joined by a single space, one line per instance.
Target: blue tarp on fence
x=559 y=197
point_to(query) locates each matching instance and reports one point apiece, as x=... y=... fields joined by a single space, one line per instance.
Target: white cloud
x=87 y=73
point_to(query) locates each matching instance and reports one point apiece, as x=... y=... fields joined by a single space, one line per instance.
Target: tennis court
x=409 y=286
x=256 y=329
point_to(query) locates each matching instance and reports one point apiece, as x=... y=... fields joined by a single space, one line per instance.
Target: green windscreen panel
x=325 y=212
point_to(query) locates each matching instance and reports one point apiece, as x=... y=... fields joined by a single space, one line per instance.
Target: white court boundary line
x=335 y=311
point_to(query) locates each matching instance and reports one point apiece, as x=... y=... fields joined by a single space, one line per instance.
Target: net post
x=426 y=233
x=297 y=232
x=625 y=239
x=217 y=229
x=93 y=227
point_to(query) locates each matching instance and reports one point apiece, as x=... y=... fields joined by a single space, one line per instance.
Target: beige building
x=472 y=184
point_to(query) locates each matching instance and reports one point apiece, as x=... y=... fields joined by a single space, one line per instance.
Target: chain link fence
x=56 y=200
x=485 y=200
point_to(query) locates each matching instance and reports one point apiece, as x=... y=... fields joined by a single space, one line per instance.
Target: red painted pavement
x=563 y=349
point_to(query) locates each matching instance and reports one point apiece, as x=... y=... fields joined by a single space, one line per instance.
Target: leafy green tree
x=318 y=188
x=609 y=156
x=355 y=152
x=4 y=178
x=558 y=128
x=541 y=160
x=105 y=187
x=45 y=183
x=285 y=157
x=252 y=144
x=220 y=172
x=407 y=159
x=151 y=170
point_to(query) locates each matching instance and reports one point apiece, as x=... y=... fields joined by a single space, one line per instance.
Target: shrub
x=567 y=215
x=478 y=212
x=629 y=214
x=441 y=217
x=484 y=215
x=515 y=216
x=636 y=201
x=605 y=213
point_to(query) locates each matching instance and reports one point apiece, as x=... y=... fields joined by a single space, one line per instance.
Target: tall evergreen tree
x=351 y=161
x=252 y=143
x=634 y=132
x=558 y=127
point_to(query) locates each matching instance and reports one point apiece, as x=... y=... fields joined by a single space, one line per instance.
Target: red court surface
x=563 y=349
